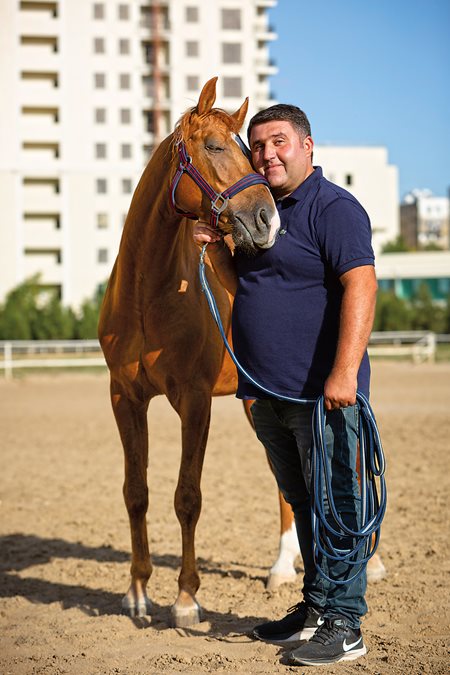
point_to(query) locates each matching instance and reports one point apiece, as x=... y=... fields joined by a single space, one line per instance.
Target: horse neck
x=154 y=232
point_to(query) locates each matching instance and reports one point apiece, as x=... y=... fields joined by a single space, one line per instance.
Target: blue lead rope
x=326 y=521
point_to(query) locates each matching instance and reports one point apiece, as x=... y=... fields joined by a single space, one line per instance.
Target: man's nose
x=269 y=152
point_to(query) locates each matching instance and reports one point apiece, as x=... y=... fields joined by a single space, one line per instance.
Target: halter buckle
x=219 y=204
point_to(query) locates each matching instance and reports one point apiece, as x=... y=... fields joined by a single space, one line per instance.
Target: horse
x=155 y=327
x=158 y=337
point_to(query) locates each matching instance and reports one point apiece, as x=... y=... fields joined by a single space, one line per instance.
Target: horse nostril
x=262 y=216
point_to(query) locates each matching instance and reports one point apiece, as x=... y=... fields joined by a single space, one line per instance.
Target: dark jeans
x=285 y=430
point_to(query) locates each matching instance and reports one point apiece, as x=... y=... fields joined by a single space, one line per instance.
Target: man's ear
x=308 y=146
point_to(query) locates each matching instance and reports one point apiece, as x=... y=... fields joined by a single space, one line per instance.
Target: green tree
x=55 y=322
x=397 y=245
x=392 y=313
x=19 y=314
x=426 y=314
x=87 y=321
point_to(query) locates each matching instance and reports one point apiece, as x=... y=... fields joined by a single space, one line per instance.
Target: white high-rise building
x=88 y=88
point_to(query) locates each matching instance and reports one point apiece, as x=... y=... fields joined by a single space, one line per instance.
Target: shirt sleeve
x=345 y=236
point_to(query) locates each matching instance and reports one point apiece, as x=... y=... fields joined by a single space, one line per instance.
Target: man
x=302 y=317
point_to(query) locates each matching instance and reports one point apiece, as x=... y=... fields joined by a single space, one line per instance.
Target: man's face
x=279 y=154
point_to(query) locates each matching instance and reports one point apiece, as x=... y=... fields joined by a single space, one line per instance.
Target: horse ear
x=207 y=97
x=239 y=115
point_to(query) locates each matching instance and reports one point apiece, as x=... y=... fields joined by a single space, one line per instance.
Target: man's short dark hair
x=284 y=112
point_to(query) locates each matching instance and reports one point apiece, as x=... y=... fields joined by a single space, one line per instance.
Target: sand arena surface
x=64 y=538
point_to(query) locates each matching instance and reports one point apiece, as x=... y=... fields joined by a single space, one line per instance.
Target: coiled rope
x=326 y=521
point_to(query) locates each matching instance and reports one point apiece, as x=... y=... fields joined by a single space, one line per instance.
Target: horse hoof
x=375 y=569
x=185 y=616
x=134 y=609
x=274 y=580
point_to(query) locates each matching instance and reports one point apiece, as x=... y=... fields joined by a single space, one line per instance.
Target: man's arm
x=356 y=320
x=219 y=254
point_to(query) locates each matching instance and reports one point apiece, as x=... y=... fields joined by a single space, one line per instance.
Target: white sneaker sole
x=304 y=634
x=350 y=656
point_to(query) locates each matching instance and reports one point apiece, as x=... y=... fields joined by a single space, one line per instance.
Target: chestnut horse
x=155 y=328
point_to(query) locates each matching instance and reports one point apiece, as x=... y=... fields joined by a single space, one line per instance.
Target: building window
x=102 y=255
x=124 y=46
x=125 y=151
x=123 y=12
x=232 y=86
x=102 y=221
x=100 y=115
x=192 y=49
x=192 y=83
x=98 y=10
x=101 y=186
x=231 y=52
x=100 y=150
x=126 y=186
x=99 y=45
x=124 y=81
x=348 y=179
x=191 y=14
x=125 y=116
x=231 y=19
x=100 y=80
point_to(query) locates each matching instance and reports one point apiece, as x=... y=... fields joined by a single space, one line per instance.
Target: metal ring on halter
x=223 y=206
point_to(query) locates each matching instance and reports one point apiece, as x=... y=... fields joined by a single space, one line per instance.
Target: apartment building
x=88 y=89
x=425 y=220
x=366 y=173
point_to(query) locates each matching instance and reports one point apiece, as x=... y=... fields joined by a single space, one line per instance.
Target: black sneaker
x=334 y=641
x=300 y=623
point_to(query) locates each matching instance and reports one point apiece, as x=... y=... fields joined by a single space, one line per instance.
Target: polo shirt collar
x=300 y=193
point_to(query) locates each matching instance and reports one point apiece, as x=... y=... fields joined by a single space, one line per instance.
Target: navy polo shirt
x=286 y=310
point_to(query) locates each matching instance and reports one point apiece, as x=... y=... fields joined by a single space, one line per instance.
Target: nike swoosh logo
x=347 y=647
x=320 y=621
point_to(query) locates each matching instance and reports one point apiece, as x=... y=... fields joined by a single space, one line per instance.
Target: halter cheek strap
x=219 y=200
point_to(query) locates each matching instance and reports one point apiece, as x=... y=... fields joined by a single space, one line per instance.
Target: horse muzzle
x=255 y=232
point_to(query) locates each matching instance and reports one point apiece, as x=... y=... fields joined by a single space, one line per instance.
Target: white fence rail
x=15 y=354
x=49 y=354
x=419 y=345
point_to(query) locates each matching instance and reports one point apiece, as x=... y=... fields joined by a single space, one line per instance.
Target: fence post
x=7 y=357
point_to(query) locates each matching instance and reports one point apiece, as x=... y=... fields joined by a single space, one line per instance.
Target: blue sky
x=371 y=72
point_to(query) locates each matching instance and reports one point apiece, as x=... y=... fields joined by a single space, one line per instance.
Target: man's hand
x=205 y=235
x=339 y=391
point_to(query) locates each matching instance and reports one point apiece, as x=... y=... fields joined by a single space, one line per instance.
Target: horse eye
x=213 y=148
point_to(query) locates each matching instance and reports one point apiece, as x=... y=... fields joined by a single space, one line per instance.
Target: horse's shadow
x=19 y=552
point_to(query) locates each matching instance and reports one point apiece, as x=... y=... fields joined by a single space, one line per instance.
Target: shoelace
x=327 y=633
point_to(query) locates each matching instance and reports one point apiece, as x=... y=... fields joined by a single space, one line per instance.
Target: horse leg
x=283 y=570
x=131 y=418
x=195 y=414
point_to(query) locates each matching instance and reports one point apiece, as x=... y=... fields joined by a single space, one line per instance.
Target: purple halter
x=219 y=200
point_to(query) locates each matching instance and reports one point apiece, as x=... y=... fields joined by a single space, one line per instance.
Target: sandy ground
x=64 y=540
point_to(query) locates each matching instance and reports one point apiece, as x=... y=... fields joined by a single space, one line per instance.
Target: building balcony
x=263 y=31
x=39 y=24
x=41 y=232
x=43 y=262
x=38 y=59
x=265 y=67
x=41 y=195
x=39 y=128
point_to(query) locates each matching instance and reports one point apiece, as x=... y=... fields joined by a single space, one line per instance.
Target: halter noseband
x=219 y=200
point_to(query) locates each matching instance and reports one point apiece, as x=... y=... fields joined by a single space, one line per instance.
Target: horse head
x=215 y=182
